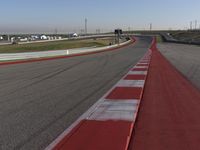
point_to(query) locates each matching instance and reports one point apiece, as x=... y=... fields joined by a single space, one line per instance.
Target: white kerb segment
x=115 y=110
x=130 y=83
x=140 y=67
x=137 y=73
x=143 y=63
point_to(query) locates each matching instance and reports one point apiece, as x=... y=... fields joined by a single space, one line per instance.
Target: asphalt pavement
x=186 y=58
x=39 y=100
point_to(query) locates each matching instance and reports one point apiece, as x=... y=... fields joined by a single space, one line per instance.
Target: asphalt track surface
x=169 y=113
x=186 y=58
x=39 y=100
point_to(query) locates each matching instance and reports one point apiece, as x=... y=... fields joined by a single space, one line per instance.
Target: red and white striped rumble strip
x=108 y=124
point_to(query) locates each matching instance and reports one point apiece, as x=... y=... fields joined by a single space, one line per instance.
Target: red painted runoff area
x=97 y=135
x=169 y=116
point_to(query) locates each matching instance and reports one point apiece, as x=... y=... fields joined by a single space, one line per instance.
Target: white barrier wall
x=32 y=55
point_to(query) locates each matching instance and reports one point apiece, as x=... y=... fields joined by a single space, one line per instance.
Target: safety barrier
x=55 y=53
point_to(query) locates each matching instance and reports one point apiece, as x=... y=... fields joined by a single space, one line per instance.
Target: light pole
x=190 y=25
x=195 y=24
x=118 y=33
x=85 y=26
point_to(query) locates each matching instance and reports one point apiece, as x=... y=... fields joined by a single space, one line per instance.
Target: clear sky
x=68 y=15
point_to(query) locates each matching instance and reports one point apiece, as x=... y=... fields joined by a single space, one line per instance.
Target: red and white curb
x=108 y=124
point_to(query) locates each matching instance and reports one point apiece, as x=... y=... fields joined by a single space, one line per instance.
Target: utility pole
x=56 y=31
x=190 y=25
x=85 y=26
x=129 y=29
x=8 y=37
x=97 y=31
x=150 y=26
x=195 y=24
x=82 y=31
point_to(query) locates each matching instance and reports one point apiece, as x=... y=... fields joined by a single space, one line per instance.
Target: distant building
x=43 y=37
x=75 y=35
x=50 y=37
x=25 y=39
x=34 y=37
x=72 y=35
x=12 y=39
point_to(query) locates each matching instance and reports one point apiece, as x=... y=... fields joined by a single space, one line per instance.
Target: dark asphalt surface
x=186 y=58
x=38 y=101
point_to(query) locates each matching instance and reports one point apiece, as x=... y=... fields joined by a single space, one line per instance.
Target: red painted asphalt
x=120 y=93
x=96 y=135
x=139 y=69
x=169 y=116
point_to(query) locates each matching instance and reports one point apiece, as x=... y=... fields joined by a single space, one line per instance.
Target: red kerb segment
x=139 y=69
x=97 y=135
x=120 y=93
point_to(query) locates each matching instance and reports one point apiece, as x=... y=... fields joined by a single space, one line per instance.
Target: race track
x=39 y=100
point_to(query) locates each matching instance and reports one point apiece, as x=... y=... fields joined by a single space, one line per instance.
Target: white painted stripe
x=116 y=110
x=113 y=115
x=142 y=63
x=120 y=101
x=130 y=83
x=138 y=67
x=137 y=72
